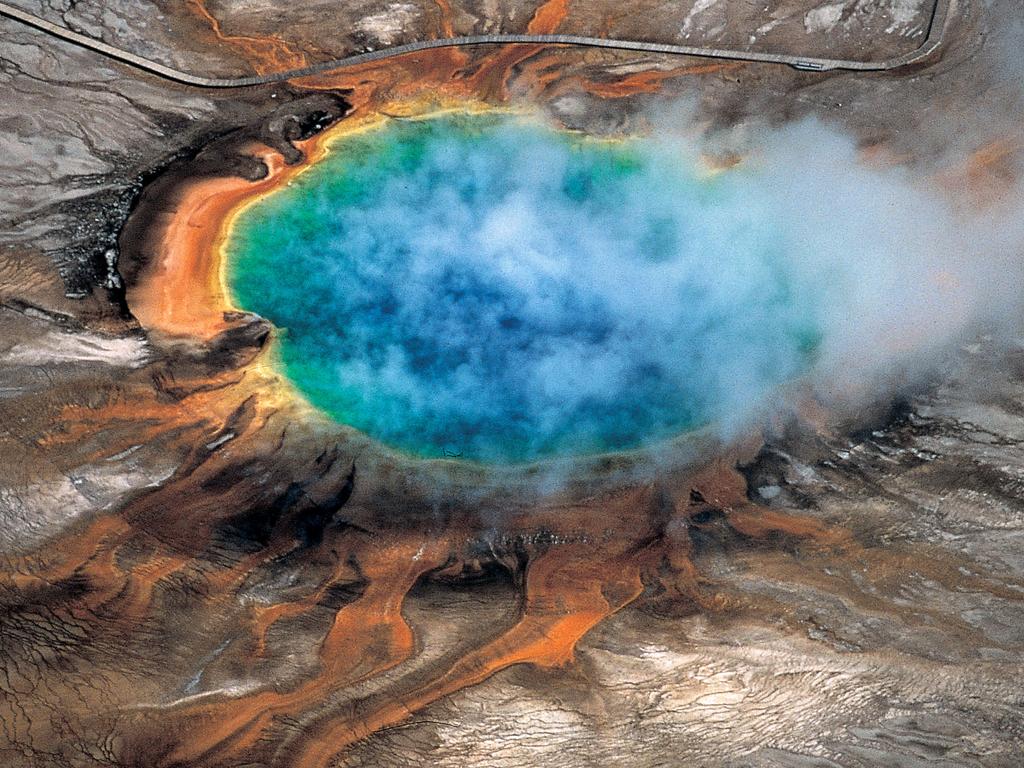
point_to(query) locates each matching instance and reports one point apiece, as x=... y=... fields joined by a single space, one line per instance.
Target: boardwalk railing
x=937 y=21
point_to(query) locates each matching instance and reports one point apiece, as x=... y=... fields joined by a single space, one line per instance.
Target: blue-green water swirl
x=493 y=288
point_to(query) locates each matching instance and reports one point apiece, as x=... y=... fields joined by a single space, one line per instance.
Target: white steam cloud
x=491 y=297
x=905 y=266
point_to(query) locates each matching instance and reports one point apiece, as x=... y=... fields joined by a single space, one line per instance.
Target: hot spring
x=489 y=287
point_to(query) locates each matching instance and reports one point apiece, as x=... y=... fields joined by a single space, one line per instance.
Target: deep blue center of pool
x=492 y=288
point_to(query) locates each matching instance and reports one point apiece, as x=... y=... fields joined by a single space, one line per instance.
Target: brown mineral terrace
x=183 y=293
x=936 y=27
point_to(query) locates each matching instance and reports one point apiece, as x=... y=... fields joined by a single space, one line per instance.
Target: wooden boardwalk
x=938 y=19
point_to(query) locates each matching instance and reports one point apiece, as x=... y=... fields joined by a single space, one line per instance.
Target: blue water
x=488 y=287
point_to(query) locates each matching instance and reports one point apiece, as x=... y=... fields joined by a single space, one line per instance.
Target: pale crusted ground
x=869 y=660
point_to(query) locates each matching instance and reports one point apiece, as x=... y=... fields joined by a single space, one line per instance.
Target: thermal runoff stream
x=489 y=287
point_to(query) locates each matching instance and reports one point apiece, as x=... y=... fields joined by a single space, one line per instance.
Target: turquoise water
x=487 y=287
